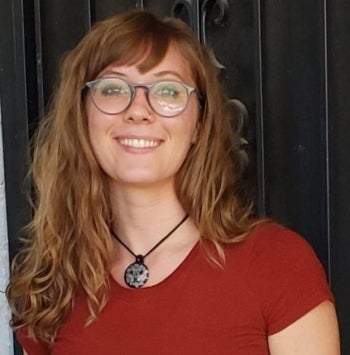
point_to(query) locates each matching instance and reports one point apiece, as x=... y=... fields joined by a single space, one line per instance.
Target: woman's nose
x=139 y=110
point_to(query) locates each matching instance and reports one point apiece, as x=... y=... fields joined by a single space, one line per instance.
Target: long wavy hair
x=69 y=242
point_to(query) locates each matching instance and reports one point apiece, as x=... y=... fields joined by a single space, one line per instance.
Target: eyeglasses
x=167 y=98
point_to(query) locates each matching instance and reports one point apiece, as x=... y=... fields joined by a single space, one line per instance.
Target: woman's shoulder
x=270 y=244
x=269 y=230
x=286 y=273
x=273 y=254
x=273 y=238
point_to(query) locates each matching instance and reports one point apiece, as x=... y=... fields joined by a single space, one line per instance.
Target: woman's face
x=138 y=146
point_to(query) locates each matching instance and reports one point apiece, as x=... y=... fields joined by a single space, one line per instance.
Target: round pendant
x=136 y=274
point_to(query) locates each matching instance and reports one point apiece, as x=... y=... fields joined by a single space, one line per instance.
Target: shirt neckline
x=183 y=267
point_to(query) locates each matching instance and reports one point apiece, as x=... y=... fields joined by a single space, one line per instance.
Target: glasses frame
x=146 y=87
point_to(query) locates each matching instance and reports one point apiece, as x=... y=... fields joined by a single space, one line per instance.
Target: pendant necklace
x=136 y=274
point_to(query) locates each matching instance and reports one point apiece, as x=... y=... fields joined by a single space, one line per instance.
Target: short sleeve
x=31 y=346
x=290 y=279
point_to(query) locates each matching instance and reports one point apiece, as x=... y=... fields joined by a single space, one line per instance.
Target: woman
x=140 y=240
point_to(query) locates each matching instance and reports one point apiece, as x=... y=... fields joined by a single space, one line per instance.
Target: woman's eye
x=112 y=90
x=168 y=91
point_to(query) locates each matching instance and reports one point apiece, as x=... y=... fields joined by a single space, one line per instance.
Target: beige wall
x=6 y=341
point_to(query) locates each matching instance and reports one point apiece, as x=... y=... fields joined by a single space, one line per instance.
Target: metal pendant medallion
x=136 y=274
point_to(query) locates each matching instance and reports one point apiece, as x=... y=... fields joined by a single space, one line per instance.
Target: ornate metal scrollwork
x=240 y=115
x=183 y=10
x=201 y=15
x=198 y=14
x=213 y=11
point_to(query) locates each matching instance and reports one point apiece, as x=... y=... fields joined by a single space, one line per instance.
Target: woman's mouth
x=140 y=143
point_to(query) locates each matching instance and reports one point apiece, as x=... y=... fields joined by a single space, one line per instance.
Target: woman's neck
x=142 y=216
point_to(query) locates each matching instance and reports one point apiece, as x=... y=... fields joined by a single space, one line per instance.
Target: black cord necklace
x=136 y=274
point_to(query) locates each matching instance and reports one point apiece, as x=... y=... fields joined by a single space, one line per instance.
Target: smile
x=139 y=143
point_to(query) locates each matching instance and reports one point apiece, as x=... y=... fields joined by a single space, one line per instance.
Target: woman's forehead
x=173 y=64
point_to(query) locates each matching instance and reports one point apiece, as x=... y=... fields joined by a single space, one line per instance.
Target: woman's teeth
x=138 y=143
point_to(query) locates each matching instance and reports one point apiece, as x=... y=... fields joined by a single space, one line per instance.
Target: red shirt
x=269 y=281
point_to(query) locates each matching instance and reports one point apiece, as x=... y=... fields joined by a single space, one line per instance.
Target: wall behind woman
x=285 y=61
x=6 y=342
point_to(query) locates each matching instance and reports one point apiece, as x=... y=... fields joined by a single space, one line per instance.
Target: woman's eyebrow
x=158 y=74
x=112 y=72
x=167 y=72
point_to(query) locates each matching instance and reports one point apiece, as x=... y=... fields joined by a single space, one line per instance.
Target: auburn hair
x=69 y=243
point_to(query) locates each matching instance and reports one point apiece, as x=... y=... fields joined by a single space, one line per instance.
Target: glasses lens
x=168 y=98
x=111 y=95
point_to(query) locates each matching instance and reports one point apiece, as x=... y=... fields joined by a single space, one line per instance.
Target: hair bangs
x=144 y=46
